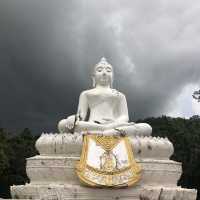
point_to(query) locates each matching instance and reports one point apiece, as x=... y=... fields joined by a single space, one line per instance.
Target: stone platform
x=61 y=170
x=52 y=173
x=72 y=192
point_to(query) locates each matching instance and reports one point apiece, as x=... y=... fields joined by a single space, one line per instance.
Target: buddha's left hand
x=106 y=121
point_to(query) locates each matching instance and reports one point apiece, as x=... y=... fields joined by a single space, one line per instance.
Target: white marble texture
x=61 y=169
x=71 y=145
x=54 y=168
x=102 y=109
x=76 y=192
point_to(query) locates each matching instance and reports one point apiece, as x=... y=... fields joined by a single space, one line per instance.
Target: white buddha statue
x=102 y=109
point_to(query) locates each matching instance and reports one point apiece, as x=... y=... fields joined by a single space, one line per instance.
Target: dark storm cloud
x=48 y=49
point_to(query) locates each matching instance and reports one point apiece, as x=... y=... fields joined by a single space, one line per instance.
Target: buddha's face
x=103 y=75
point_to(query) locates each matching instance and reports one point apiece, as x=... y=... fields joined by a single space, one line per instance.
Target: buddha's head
x=103 y=74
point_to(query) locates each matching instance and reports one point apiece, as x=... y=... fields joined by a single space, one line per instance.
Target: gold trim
x=137 y=167
x=109 y=172
x=82 y=163
x=106 y=142
x=94 y=177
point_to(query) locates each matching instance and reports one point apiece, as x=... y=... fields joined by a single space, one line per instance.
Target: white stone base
x=72 y=192
x=52 y=173
x=61 y=170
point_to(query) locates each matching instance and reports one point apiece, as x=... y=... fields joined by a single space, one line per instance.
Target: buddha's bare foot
x=111 y=132
x=91 y=133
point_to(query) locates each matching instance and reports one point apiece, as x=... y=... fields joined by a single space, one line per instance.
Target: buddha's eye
x=99 y=69
x=108 y=69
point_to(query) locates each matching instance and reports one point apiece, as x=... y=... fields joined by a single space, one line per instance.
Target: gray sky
x=48 y=49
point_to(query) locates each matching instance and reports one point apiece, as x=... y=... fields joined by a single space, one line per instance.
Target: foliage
x=13 y=153
x=183 y=133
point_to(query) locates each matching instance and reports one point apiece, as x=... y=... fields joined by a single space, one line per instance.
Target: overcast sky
x=48 y=49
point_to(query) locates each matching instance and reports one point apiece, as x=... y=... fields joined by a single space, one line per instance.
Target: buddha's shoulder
x=87 y=92
x=119 y=94
x=95 y=91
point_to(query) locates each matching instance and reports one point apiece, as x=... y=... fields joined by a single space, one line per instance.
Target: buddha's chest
x=104 y=100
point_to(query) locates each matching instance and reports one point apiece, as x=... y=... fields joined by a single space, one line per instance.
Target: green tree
x=14 y=149
x=185 y=135
x=4 y=161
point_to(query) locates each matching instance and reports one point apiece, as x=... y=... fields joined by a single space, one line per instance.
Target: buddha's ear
x=93 y=81
x=111 y=83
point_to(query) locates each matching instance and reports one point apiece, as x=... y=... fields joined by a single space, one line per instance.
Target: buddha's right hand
x=70 y=122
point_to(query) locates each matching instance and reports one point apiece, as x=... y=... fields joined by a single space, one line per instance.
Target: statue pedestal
x=72 y=192
x=52 y=173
